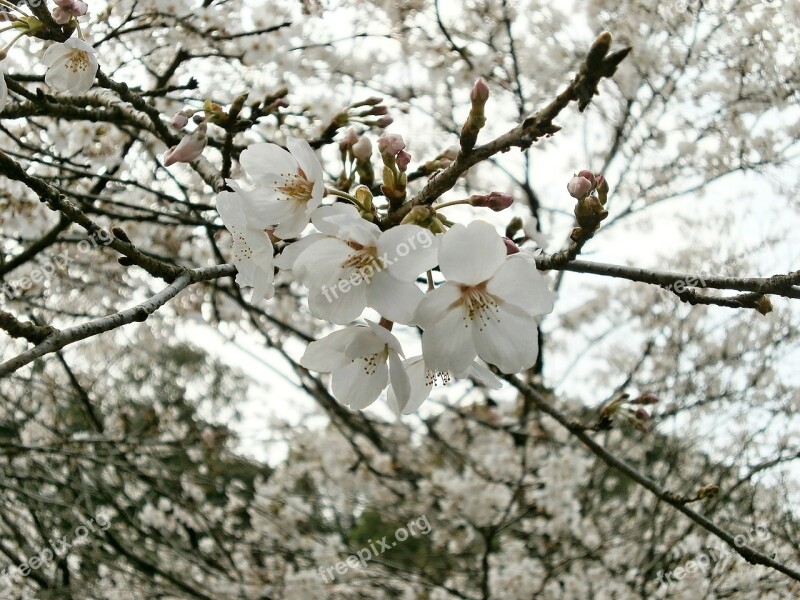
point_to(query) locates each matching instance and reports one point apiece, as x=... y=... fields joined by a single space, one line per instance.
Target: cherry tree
x=526 y=276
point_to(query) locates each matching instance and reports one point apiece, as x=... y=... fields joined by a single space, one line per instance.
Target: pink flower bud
x=379 y=110
x=579 y=187
x=61 y=15
x=179 y=120
x=384 y=121
x=188 y=149
x=403 y=159
x=480 y=92
x=588 y=175
x=497 y=201
x=349 y=139
x=391 y=144
x=362 y=149
x=511 y=247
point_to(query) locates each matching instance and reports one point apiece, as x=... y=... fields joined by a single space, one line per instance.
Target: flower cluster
x=476 y=300
x=71 y=65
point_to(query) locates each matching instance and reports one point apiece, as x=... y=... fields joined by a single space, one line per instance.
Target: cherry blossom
x=72 y=66
x=290 y=185
x=357 y=266
x=486 y=308
x=252 y=248
x=361 y=359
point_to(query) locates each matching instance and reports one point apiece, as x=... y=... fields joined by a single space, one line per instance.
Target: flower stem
x=451 y=203
x=346 y=196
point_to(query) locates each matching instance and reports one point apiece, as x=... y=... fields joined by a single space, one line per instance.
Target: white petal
x=320 y=217
x=399 y=378
x=265 y=208
x=85 y=77
x=54 y=53
x=331 y=304
x=285 y=260
x=482 y=374
x=408 y=250
x=268 y=164
x=435 y=304
x=470 y=255
x=520 y=283
x=448 y=345
x=293 y=223
x=388 y=338
x=365 y=344
x=421 y=384
x=393 y=299
x=327 y=354
x=359 y=383
x=507 y=340
x=304 y=154
x=321 y=263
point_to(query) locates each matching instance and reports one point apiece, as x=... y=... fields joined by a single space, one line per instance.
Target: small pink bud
x=403 y=159
x=179 y=120
x=379 y=111
x=391 y=144
x=189 y=148
x=480 y=92
x=588 y=175
x=497 y=201
x=579 y=187
x=349 y=139
x=362 y=149
x=384 y=122
x=511 y=247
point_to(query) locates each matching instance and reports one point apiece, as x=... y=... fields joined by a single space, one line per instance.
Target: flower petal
x=508 y=340
x=393 y=299
x=435 y=304
x=327 y=354
x=408 y=250
x=519 y=282
x=305 y=157
x=268 y=164
x=448 y=345
x=331 y=304
x=401 y=386
x=320 y=264
x=470 y=255
x=359 y=383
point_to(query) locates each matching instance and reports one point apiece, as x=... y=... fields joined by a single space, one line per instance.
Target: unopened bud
x=384 y=121
x=511 y=247
x=708 y=491
x=579 y=187
x=588 y=175
x=403 y=160
x=497 y=201
x=479 y=94
x=645 y=399
x=419 y=215
x=601 y=185
x=179 y=120
x=349 y=140
x=362 y=149
x=391 y=144
x=188 y=149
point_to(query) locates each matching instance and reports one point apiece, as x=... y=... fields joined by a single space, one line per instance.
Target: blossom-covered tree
x=524 y=291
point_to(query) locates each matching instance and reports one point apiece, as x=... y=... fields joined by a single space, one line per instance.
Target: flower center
x=480 y=305
x=370 y=363
x=296 y=186
x=364 y=260
x=432 y=376
x=78 y=60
